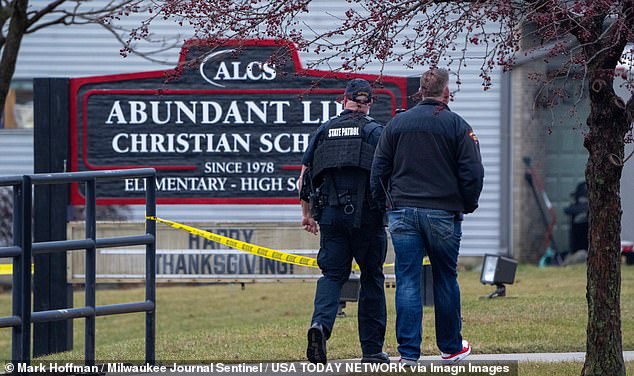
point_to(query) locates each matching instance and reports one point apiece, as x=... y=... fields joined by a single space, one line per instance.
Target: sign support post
x=51 y=153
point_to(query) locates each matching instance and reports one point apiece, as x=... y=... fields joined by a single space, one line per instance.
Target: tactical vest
x=344 y=144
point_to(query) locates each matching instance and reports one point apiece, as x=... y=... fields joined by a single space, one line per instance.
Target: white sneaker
x=457 y=357
x=408 y=362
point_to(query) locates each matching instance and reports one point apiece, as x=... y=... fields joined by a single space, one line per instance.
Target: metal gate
x=24 y=248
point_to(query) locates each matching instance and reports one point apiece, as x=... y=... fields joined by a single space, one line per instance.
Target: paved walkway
x=530 y=357
x=347 y=366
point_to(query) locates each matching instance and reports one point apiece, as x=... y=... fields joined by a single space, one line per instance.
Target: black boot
x=316 y=351
x=381 y=357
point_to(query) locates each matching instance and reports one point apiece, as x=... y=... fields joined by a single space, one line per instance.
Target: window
x=18 y=108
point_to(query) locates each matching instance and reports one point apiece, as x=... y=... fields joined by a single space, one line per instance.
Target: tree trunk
x=608 y=125
x=11 y=47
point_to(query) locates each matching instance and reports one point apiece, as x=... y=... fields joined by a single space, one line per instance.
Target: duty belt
x=345 y=199
x=353 y=203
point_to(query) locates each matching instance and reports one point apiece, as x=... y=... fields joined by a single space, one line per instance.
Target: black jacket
x=428 y=157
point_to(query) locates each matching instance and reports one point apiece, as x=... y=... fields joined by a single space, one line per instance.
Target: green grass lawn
x=545 y=311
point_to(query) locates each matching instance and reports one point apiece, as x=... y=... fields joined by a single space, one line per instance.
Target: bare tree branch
x=149 y=56
x=75 y=15
x=34 y=17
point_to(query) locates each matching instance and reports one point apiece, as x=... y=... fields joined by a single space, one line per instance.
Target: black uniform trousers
x=340 y=242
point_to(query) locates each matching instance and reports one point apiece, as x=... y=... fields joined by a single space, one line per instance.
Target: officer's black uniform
x=340 y=157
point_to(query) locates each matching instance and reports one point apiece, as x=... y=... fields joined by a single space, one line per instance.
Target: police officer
x=335 y=193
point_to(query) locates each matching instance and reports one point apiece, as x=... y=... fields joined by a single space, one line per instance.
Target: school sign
x=228 y=125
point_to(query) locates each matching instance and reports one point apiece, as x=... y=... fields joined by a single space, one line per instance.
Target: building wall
x=627 y=196
x=17 y=151
x=528 y=141
x=566 y=158
x=553 y=137
x=627 y=179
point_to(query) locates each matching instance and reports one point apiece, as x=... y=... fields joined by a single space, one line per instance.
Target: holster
x=317 y=204
x=307 y=186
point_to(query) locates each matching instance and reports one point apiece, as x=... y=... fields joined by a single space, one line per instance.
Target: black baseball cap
x=359 y=90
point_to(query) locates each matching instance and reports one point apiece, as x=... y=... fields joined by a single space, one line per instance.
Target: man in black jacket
x=339 y=159
x=428 y=166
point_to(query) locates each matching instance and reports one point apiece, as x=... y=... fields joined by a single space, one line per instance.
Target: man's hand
x=308 y=222
x=310 y=225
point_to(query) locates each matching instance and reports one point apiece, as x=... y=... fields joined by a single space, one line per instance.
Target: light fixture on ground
x=349 y=292
x=498 y=270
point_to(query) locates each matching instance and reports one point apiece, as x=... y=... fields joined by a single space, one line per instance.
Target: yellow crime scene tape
x=7 y=269
x=257 y=250
x=310 y=262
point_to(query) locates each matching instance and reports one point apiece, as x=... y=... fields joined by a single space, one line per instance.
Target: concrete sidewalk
x=338 y=367
x=528 y=357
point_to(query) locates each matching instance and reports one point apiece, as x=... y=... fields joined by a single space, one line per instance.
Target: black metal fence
x=23 y=248
x=20 y=251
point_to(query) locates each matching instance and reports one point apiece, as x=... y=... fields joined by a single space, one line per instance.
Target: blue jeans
x=339 y=243
x=417 y=232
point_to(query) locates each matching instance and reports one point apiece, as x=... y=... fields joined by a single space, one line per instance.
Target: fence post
x=17 y=289
x=150 y=269
x=91 y=270
x=25 y=271
x=17 y=338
